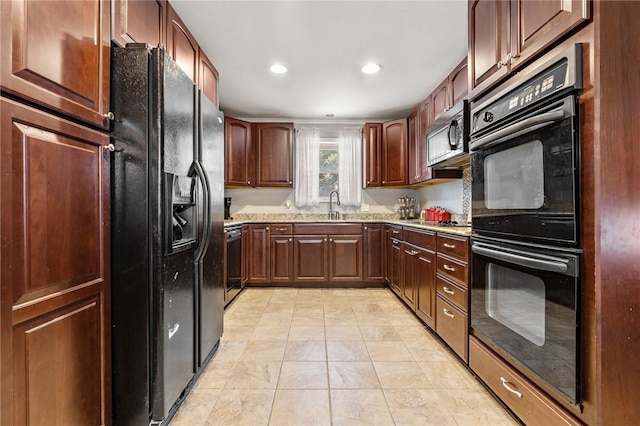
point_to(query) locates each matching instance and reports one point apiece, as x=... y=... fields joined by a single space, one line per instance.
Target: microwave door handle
x=528 y=125
x=526 y=261
x=453 y=142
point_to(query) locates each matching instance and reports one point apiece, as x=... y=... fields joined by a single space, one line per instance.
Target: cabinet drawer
x=530 y=405
x=453 y=293
x=322 y=228
x=281 y=228
x=395 y=232
x=457 y=247
x=453 y=269
x=452 y=326
x=424 y=239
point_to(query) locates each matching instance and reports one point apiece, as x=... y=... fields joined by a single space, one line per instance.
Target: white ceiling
x=324 y=44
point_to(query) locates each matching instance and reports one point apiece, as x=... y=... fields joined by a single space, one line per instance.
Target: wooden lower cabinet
x=345 y=258
x=425 y=287
x=529 y=403
x=374 y=253
x=281 y=259
x=259 y=256
x=55 y=309
x=394 y=264
x=310 y=254
x=452 y=326
x=410 y=276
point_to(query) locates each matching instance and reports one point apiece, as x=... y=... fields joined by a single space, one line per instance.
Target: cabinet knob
x=290 y=182
x=111 y=147
x=267 y=228
x=290 y=240
x=384 y=181
x=325 y=240
x=248 y=182
x=109 y=116
x=365 y=228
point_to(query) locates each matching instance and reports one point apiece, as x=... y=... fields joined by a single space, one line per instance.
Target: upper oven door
x=525 y=177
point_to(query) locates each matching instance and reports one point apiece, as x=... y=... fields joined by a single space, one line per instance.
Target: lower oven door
x=524 y=305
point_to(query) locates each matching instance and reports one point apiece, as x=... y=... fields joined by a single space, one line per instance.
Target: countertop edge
x=464 y=231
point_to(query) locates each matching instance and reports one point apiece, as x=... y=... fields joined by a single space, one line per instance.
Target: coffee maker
x=227 y=208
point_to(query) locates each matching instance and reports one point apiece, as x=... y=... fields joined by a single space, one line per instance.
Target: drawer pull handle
x=447 y=245
x=508 y=387
x=281 y=229
x=448 y=268
x=446 y=290
x=449 y=314
x=396 y=232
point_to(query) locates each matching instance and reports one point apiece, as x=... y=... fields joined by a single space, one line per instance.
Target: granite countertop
x=464 y=231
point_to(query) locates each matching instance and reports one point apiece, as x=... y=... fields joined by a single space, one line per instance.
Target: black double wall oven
x=526 y=252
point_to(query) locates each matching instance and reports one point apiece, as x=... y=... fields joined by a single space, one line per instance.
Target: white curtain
x=307 y=170
x=350 y=166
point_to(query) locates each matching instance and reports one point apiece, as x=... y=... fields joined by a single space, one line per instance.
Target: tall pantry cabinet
x=54 y=213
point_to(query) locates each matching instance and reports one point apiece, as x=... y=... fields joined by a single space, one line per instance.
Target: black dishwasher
x=233 y=263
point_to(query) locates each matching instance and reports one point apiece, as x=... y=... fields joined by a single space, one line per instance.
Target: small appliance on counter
x=407 y=208
x=227 y=208
x=436 y=214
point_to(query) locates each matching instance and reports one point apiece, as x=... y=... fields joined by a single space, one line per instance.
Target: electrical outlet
x=364 y=207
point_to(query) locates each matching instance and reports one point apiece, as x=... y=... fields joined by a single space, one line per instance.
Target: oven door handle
x=529 y=260
x=527 y=125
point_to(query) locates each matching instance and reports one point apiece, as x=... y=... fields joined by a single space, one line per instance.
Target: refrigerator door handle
x=206 y=229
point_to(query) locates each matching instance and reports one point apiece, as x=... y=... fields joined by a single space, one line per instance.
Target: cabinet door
x=414 y=150
x=426 y=286
x=259 y=259
x=181 y=45
x=238 y=153
x=274 y=154
x=537 y=24
x=281 y=259
x=395 y=265
x=56 y=54
x=139 y=21
x=425 y=113
x=394 y=152
x=459 y=82
x=345 y=258
x=488 y=41
x=310 y=261
x=55 y=293
x=440 y=99
x=373 y=253
x=208 y=78
x=410 y=276
x=245 y=256
x=371 y=155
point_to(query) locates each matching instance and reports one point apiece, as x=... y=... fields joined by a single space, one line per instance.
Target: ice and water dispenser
x=182 y=207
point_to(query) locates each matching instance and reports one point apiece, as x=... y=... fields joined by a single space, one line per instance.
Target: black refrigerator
x=167 y=233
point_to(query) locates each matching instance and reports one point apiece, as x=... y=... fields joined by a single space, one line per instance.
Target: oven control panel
x=564 y=72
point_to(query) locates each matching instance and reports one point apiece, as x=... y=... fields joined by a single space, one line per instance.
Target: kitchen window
x=328 y=168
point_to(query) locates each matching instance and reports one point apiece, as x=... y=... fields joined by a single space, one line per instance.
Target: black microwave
x=448 y=139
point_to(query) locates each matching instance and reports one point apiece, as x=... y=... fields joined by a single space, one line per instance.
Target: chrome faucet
x=334 y=214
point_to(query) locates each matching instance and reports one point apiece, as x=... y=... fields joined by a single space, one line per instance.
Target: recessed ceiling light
x=371 y=68
x=278 y=69
x=329 y=115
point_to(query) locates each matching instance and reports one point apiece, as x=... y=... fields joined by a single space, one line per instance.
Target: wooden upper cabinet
x=415 y=152
x=208 y=78
x=181 y=45
x=424 y=121
x=239 y=166
x=504 y=36
x=488 y=41
x=56 y=54
x=55 y=295
x=459 y=82
x=394 y=152
x=371 y=155
x=139 y=21
x=440 y=99
x=537 y=24
x=273 y=144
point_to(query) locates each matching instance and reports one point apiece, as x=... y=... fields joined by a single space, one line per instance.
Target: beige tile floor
x=333 y=357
